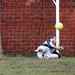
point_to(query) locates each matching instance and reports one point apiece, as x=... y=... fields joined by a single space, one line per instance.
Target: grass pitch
x=35 y=66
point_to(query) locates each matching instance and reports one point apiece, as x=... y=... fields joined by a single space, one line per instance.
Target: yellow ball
x=59 y=26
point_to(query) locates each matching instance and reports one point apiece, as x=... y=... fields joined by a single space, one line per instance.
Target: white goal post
x=57 y=21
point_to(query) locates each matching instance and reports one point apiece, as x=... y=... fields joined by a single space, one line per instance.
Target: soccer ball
x=59 y=26
x=61 y=48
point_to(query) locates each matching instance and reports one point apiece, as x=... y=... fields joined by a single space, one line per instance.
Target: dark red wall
x=24 y=27
x=67 y=17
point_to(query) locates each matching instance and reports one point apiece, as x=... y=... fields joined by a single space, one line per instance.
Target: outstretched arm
x=52 y=45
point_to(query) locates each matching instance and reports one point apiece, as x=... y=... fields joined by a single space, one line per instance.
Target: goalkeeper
x=48 y=49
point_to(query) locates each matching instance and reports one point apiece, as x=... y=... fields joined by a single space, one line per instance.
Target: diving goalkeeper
x=48 y=49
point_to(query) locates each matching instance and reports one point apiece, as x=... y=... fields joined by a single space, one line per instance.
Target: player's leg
x=53 y=56
x=49 y=54
x=40 y=51
x=40 y=55
x=56 y=52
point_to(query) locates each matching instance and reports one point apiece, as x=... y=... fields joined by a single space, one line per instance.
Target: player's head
x=53 y=38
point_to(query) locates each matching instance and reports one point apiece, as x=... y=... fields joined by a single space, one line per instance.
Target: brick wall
x=67 y=17
x=25 y=25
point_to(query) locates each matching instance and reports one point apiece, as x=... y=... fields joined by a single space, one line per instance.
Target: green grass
x=35 y=66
